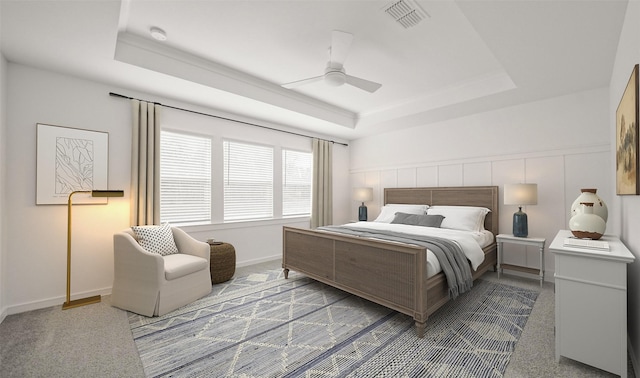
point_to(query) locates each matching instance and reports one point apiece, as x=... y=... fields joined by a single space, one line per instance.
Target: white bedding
x=470 y=242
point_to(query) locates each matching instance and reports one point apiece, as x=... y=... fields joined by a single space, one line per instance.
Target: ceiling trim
x=148 y=54
x=479 y=87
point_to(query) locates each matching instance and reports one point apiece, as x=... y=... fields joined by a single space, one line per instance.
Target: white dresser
x=591 y=303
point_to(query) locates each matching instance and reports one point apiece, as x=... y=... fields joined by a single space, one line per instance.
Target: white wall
x=36 y=235
x=562 y=144
x=34 y=255
x=627 y=208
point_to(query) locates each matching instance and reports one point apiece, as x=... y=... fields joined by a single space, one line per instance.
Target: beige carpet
x=89 y=341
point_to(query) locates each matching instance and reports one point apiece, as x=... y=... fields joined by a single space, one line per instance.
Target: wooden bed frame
x=390 y=274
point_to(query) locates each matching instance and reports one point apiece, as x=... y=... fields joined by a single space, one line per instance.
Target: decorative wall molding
x=487 y=159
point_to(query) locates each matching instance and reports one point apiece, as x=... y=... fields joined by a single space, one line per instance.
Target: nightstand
x=536 y=242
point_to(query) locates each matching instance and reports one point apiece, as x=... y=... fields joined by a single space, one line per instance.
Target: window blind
x=296 y=183
x=248 y=181
x=185 y=178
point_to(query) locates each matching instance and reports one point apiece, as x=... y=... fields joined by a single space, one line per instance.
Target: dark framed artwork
x=627 y=176
x=67 y=160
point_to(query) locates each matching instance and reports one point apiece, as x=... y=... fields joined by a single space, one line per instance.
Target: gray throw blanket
x=453 y=261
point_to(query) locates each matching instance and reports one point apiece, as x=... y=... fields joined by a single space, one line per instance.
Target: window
x=296 y=183
x=248 y=181
x=185 y=178
x=242 y=177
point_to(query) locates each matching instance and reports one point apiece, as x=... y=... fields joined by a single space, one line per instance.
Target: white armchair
x=153 y=285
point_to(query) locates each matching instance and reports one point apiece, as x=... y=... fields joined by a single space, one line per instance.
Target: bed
x=389 y=273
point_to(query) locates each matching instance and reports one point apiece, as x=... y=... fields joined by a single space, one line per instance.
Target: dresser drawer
x=590 y=270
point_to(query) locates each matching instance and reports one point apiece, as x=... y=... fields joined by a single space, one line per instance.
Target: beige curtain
x=322 y=197
x=145 y=164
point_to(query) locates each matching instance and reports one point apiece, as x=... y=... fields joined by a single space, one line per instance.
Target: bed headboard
x=484 y=196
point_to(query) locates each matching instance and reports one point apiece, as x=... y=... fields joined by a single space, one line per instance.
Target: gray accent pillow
x=418 y=220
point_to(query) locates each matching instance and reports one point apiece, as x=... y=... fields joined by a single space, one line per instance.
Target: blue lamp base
x=520 y=226
x=362 y=213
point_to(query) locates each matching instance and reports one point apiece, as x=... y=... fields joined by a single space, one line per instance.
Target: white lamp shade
x=363 y=194
x=521 y=194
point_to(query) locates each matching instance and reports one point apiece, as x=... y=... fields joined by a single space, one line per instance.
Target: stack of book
x=600 y=245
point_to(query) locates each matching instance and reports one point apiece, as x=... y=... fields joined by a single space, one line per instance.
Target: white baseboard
x=3 y=314
x=260 y=260
x=52 y=302
x=58 y=301
x=549 y=276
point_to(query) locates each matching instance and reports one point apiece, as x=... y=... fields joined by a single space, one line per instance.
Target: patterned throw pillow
x=156 y=239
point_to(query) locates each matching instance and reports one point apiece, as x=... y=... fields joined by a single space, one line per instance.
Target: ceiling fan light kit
x=335 y=78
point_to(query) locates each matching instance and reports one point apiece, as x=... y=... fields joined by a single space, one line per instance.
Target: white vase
x=587 y=225
x=589 y=195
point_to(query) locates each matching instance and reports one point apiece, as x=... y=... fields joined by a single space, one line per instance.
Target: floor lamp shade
x=96 y=298
x=362 y=195
x=520 y=195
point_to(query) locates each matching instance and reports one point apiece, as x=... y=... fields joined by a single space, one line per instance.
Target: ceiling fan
x=335 y=74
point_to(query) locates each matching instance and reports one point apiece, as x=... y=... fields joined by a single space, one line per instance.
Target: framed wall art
x=70 y=159
x=627 y=176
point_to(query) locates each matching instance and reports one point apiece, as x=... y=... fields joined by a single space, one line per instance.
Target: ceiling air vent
x=405 y=12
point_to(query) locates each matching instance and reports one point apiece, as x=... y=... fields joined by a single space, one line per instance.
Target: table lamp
x=520 y=195
x=362 y=195
x=96 y=298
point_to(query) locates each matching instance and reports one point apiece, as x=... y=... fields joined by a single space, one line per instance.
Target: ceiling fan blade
x=363 y=84
x=340 y=44
x=298 y=83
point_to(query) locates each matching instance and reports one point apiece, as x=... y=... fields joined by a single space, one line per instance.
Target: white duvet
x=470 y=242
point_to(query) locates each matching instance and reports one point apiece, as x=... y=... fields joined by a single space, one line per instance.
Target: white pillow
x=388 y=211
x=465 y=218
x=156 y=239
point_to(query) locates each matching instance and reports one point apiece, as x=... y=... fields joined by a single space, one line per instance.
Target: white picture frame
x=70 y=159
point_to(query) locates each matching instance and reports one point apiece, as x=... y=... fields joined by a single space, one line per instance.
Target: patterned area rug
x=265 y=326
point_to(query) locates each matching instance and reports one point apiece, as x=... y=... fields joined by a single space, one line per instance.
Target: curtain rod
x=224 y=118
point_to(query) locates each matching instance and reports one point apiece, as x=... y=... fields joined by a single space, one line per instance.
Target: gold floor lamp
x=96 y=298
